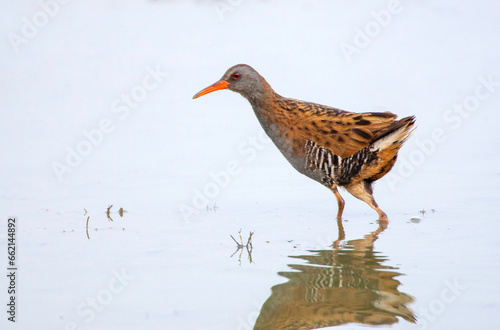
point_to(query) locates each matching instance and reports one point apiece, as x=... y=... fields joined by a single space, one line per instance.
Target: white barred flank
x=321 y=158
x=336 y=170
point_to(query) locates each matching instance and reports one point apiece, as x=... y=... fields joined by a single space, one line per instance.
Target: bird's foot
x=382 y=217
x=382 y=225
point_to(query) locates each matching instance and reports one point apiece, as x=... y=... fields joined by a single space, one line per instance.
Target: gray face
x=243 y=79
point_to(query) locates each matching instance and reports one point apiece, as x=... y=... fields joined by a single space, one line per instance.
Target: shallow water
x=305 y=270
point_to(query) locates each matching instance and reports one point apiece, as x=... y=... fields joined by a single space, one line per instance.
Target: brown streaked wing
x=343 y=132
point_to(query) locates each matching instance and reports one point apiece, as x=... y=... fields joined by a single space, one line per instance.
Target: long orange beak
x=221 y=84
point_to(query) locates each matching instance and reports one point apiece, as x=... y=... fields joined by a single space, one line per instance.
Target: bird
x=334 y=147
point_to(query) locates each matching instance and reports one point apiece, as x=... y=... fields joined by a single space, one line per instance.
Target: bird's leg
x=340 y=201
x=336 y=244
x=363 y=190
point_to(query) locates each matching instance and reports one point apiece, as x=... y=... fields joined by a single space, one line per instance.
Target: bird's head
x=240 y=78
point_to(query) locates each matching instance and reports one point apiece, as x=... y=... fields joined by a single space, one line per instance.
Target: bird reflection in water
x=347 y=284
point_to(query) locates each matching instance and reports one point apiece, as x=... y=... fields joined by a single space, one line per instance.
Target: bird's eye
x=236 y=75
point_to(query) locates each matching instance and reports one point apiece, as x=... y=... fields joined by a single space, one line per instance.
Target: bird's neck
x=278 y=125
x=272 y=117
x=262 y=95
x=263 y=102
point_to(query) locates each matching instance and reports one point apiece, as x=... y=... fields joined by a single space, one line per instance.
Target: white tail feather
x=398 y=136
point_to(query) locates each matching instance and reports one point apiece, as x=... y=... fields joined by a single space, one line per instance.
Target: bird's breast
x=290 y=142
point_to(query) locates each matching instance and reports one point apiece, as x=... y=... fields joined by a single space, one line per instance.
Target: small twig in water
x=212 y=208
x=107 y=212
x=235 y=240
x=240 y=246
x=249 y=242
x=241 y=238
x=87 y=227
